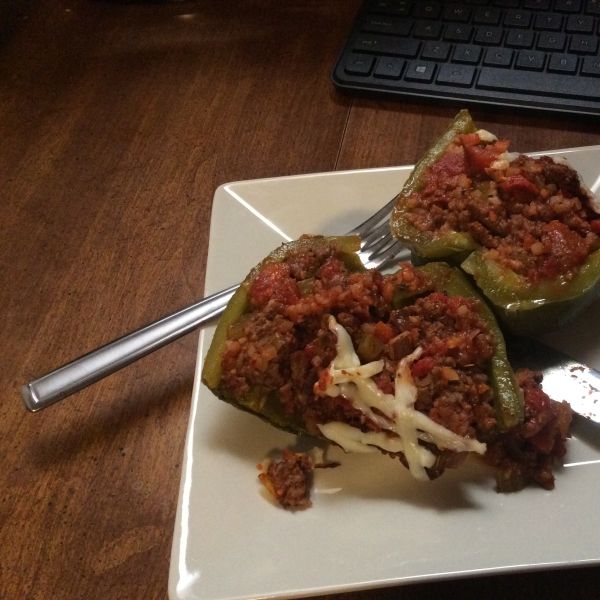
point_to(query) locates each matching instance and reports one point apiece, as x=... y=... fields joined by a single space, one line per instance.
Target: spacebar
x=546 y=84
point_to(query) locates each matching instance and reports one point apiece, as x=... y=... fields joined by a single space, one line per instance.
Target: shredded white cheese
x=509 y=156
x=503 y=161
x=486 y=136
x=403 y=426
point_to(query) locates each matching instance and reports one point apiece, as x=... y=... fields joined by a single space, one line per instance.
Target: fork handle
x=103 y=361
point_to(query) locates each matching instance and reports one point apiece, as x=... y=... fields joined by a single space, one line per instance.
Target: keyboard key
x=387 y=4
x=580 y=24
x=506 y=3
x=488 y=35
x=420 y=71
x=487 y=16
x=428 y=10
x=404 y=47
x=537 y=4
x=555 y=42
x=563 y=63
x=436 y=51
x=519 y=39
x=572 y=6
x=456 y=75
x=517 y=18
x=531 y=60
x=548 y=21
x=550 y=84
x=583 y=44
x=389 y=68
x=458 y=33
x=465 y=53
x=359 y=65
x=591 y=66
x=456 y=12
x=498 y=57
x=397 y=8
x=592 y=7
x=427 y=30
x=387 y=25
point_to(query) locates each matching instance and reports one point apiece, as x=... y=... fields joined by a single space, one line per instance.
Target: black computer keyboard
x=541 y=54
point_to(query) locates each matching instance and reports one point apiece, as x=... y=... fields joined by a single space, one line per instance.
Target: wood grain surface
x=118 y=121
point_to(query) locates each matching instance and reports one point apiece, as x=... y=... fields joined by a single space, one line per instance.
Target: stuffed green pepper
x=411 y=364
x=526 y=229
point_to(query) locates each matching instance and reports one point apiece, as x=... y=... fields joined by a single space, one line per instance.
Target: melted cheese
x=486 y=136
x=402 y=425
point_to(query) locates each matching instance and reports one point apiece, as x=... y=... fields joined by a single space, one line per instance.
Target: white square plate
x=370 y=525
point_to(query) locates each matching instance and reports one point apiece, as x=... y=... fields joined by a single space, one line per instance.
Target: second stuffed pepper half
x=526 y=229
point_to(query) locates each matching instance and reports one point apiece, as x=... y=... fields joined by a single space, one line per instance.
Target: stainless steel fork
x=378 y=249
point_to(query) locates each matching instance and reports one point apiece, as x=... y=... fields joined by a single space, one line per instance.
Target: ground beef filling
x=289 y=480
x=527 y=453
x=532 y=215
x=284 y=343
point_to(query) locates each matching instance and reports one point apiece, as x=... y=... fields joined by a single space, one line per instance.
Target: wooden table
x=118 y=121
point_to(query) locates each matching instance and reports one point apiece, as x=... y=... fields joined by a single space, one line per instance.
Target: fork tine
x=403 y=255
x=383 y=213
x=391 y=253
x=378 y=248
x=376 y=236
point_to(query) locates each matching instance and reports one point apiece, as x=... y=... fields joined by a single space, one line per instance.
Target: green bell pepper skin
x=265 y=404
x=527 y=309
x=453 y=247
x=508 y=397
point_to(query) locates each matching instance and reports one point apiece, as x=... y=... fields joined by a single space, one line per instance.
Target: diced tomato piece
x=500 y=146
x=595 y=225
x=566 y=246
x=470 y=139
x=528 y=241
x=384 y=332
x=422 y=367
x=520 y=186
x=479 y=158
x=537 y=400
x=274 y=281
